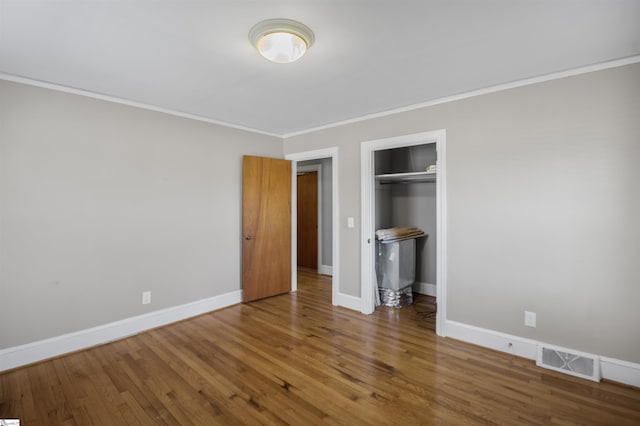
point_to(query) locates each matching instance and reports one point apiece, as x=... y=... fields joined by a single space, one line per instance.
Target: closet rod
x=412 y=177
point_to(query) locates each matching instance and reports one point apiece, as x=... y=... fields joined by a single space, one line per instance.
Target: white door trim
x=318 y=169
x=367 y=249
x=335 y=234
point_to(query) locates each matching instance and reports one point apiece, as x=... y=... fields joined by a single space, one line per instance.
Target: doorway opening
x=315 y=205
x=309 y=214
x=373 y=155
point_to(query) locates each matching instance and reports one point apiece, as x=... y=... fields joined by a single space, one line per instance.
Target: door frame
x=367 y=251
x=318 y=169
x=335 y=232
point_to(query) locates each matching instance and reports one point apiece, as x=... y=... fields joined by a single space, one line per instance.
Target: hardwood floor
x=296 y=359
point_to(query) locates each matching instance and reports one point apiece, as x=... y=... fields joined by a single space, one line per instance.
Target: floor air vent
x=568 y=361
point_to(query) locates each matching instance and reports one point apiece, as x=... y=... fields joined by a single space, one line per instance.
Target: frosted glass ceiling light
x=281 y=40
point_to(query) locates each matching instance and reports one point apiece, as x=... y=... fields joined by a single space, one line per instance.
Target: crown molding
x=492 y=89
x=122 y=101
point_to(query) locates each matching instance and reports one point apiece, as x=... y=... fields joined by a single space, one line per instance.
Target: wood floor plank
x=297 y=359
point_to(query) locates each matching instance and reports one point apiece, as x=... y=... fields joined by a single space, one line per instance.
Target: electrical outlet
x=529 y=319
x=146 y=297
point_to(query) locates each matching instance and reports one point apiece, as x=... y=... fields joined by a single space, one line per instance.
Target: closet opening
x=405 y=194
x=402 y=263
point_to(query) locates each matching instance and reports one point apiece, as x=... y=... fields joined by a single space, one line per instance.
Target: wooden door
x=308 y=220
x=266 y=227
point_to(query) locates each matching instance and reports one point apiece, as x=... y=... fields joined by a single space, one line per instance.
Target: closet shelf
x=412 y=177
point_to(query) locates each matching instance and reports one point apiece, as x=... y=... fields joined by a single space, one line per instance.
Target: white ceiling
x=371 y=56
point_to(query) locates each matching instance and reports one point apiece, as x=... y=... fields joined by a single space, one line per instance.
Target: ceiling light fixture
x=281 y=40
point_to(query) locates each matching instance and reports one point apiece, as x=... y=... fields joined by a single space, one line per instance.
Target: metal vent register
x=570 y=362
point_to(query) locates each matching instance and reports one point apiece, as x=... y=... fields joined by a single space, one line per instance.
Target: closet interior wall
x=409 y=204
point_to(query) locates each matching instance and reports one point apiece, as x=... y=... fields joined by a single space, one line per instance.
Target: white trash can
x=395 y=270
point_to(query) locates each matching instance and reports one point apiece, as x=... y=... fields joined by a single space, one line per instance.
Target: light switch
x=350 y=222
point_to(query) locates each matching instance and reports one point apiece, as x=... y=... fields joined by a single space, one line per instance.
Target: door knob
x=248 y=237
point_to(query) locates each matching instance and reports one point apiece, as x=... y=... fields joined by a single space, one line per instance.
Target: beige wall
x=100 y=201
x=543 y=206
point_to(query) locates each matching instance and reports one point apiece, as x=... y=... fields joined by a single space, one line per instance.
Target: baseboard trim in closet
x=424 y=288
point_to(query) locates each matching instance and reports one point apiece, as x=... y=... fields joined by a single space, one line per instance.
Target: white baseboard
x=37 y=351
x=502 y=342
x=620 y=371
x=348 y=301
x=325 y=270
x=611 y=369
x=424 y=288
